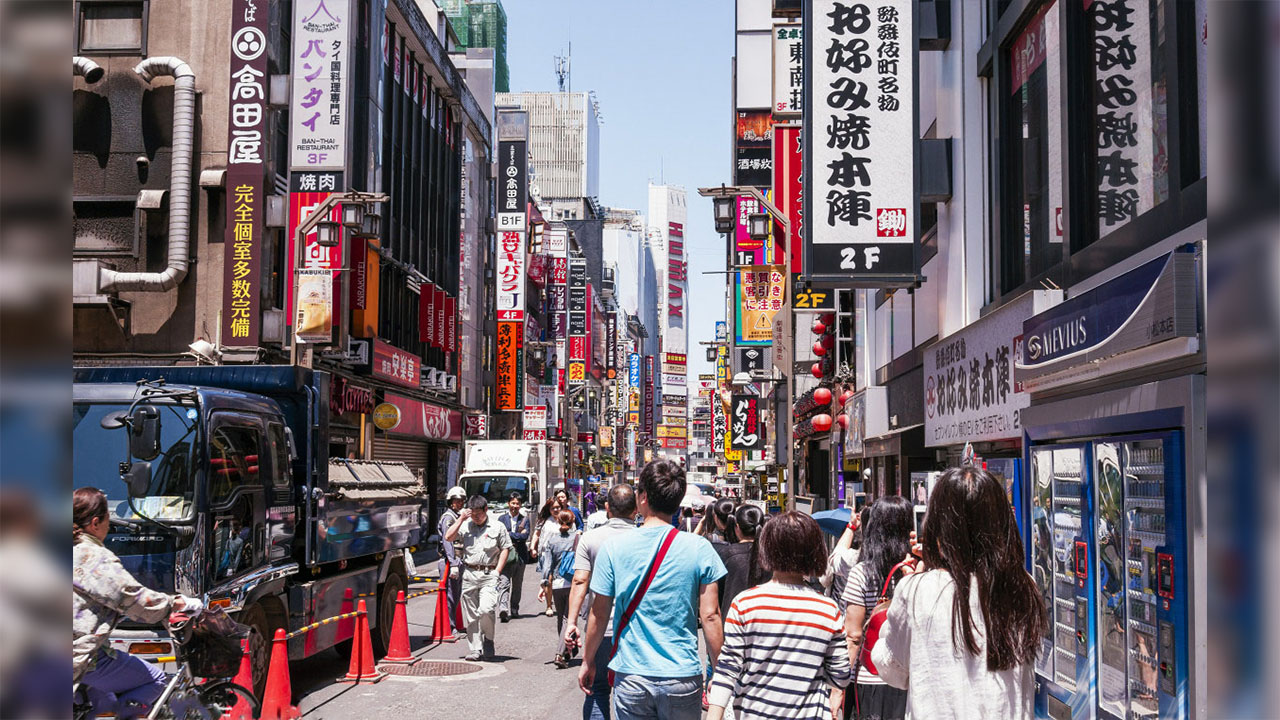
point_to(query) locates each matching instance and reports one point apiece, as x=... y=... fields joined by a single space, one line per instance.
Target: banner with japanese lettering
x=318 y=110
x=307 y=189
x=860 y=125
x=744 y=419
x=509 y=394
x=246 y=127
x=788 y=189
x=761 y=293
x=513 y=185
x=788 y=70
x=578 y=325
x=510 y=275
x=752 y=162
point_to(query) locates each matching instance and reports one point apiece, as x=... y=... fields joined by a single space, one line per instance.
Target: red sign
x=476 y=426
x=394 y=365
x=313 y=255
x=560 y=270
x=788 y=189
x=535 y=435
x=891 y=222
x=586 y=437
x=427 y=314
x=345 y=396
x=538 y=269
x=424 y=419
x=439 y=339
x=577 y=347
x=673 y=443
x=1028 y=51
x=451 y=324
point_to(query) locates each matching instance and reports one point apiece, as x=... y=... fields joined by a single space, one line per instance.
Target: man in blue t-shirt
x=657 y=671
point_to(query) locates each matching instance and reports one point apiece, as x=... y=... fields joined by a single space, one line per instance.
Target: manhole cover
x=428 y=668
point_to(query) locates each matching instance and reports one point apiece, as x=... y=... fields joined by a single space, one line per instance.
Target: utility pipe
x=91 y=71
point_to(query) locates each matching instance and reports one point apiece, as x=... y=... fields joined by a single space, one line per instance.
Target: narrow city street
x=521 y=684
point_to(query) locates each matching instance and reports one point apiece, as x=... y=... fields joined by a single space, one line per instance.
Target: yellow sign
x=386 y=416
x=763 y=294
x=672 y=431
x=577 y=371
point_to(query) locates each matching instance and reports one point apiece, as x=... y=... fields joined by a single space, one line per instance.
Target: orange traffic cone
x=361 y=668
x=244 y=678
x=346 y=626
x=456 y=610
x=441 y=632
x=399 y=652
x=277 y=698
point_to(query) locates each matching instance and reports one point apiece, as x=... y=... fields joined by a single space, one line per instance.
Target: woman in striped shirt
x=783 y=642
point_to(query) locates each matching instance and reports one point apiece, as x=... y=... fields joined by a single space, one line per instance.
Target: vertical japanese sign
x=427 y=313
x=788 y=188
x=513 y=182
x=242 y=259
x=577 y=326
x=862 y=208
x=314 y=321
x=318 y=112
x=744 y=418
x=611 y=342
x=510 y=366
x=649 y=410
x=752 y=162
x=788 y=71
x=761 y=294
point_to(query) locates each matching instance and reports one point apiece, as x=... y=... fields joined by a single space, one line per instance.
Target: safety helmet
x=455 y=493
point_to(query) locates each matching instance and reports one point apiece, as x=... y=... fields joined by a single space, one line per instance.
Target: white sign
x=788 y=70
x=555 y=242
x=547 y=397
x=510 y=275
x=860 y=219
x=535 y=417
x=314 y=306
x=318 y=111
x=969 y=391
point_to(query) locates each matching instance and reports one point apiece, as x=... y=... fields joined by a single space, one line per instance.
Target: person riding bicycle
x=105 y=591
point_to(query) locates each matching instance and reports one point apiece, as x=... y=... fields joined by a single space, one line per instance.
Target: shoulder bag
x=645 y=581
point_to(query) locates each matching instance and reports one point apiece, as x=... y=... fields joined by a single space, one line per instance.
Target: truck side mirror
x=138 y=479
x=144 y=432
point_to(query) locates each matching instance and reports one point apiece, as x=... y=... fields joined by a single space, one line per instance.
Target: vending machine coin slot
x=1168 y=674
x=1164 y=575
x=1081 y=558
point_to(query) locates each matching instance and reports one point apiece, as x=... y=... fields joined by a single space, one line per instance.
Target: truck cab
x=497 y=468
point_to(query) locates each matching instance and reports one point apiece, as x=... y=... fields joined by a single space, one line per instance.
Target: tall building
x=564 y=151
x=482 y=24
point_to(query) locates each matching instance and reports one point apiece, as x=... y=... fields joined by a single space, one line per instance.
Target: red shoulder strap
x=654 y=564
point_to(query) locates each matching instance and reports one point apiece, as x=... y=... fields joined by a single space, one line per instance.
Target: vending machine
x=1108 y=548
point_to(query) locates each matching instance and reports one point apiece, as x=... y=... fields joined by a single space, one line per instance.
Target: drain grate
x=428 y=668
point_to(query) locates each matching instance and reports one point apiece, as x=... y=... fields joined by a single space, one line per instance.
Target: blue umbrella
x=833 y=522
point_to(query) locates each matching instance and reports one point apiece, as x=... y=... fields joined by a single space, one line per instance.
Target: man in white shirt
x=620 y=508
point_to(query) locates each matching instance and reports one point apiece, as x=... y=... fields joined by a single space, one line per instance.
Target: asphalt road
x=521 y=684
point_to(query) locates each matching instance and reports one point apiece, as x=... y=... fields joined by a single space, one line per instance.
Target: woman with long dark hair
x=717 y=524
x=741 y=558
x=886 y=541
x=968 y=627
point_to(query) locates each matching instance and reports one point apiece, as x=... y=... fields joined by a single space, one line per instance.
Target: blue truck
x=219 y=483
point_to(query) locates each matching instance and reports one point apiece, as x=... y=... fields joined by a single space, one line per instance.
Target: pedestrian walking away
x=485 y=547
x=620 y=505
x=559 y=548
x=548 y=524
x=784 y=643
x=954 y=660
x=455 y=498
x=511 y=582
x=886 y=543
x=648 y=580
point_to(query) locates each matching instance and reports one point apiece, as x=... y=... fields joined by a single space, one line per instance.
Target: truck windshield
x=497 y=489
x=97 y=453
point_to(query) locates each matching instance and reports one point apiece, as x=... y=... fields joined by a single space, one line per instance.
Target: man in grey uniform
x=455 y=499
x=485 y=546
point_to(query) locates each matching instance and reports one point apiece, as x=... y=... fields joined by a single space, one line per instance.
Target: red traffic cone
x=441 y=632
x=277 y=698
x=456 y=610
x=398 y=652
x=361 y=668
x=244 y=678
x=346 y=626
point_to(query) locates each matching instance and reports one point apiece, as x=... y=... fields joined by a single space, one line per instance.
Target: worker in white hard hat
x=455 y=498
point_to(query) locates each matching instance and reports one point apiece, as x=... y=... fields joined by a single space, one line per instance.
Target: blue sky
x=661 y=70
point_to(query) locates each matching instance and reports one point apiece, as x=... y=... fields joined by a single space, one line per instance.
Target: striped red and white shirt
x=783 y=646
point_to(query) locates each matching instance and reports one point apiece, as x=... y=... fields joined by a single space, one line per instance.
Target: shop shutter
x=410 y=451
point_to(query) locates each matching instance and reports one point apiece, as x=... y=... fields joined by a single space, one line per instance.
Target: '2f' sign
x=812 y=300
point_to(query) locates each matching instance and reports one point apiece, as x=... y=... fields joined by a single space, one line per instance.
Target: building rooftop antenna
x=562 y=69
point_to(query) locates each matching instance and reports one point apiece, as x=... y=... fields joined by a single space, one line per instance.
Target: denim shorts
x=640 y=697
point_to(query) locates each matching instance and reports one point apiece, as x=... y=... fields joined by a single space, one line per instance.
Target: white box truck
x=497 y=468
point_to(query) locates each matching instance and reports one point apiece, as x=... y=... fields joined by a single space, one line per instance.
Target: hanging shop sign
x=424 y=419
x=394 y=365
x=788 y=189
x=532 y=434
x=788 y=71
x=510 y=274
x=509 y=371
x=969 y=393
x=746 y=249
x=427 y=313
x=513 y=179
x=365 y=263
x=578 y=323
x=386 y=416
x=318 y=110
x=611 y=342
x=744 y=419
x=673 y=443
x=750 y=360
x=246 y=127
x=307 y=189
x=862 y=208
x=555 y=242
x=535 y=417
x=633 y=370
x=314 y=318
x=649 y=420
x=752 y=152
x=1093 y=335
x=476 y=426
x=761 y=294
x=548 y=398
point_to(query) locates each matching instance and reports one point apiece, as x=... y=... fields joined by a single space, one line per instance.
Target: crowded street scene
x=729 y=359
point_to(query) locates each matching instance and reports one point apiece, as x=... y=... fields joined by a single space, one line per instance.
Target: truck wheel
x=260 y=635
x=395 y=583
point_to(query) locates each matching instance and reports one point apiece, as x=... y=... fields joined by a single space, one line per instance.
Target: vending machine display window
x=1056 y=507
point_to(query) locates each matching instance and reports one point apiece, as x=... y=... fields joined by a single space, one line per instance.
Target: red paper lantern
x=819 y=349
x=843 y=421
x=822 y=396
x=846 y=396
x=822 y=422
x=816 y=370
x=827 y=318
x=818 y=328
x=828 y=341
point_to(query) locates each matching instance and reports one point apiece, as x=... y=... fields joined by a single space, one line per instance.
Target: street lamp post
x=723 y=206
x=355 y=216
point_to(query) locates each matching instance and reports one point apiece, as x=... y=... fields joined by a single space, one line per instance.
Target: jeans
x=596 y=705
x=134 y=683
x=639 y=697
x=479 y=606
x=510 y=585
